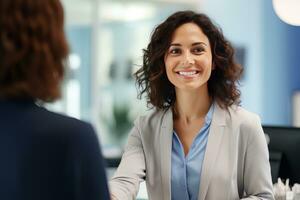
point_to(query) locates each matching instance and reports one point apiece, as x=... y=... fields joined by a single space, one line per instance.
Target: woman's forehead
x=189 y=32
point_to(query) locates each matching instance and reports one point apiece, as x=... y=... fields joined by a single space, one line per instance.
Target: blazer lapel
x=165 y=149
x=212 y=149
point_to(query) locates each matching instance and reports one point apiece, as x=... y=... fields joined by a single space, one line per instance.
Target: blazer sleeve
x=124 y=185
x=257 y=174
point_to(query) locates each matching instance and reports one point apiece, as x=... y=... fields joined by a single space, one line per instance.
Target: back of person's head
x=33 y=48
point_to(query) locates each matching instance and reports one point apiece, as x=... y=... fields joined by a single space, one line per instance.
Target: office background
x=107 y=37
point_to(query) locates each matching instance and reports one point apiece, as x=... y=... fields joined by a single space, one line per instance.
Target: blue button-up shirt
x=186 y=170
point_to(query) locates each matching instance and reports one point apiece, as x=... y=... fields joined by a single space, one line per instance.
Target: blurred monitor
x=284 y=148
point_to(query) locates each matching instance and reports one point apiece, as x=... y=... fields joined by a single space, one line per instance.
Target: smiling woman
x=197 y=142
x=189 y=60
x=162 y=47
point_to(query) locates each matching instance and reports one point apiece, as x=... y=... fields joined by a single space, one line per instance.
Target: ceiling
x=84 y=12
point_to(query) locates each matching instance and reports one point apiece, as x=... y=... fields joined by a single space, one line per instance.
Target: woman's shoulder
x=60 y=125
x=62 y=120
x=153 y=118
x=239 y=112
x=243 y=117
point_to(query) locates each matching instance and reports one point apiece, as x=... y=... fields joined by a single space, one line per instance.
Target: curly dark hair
x=151 y=78
x=33 y=49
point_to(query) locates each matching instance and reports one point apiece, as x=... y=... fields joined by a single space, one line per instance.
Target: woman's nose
x=188 y=59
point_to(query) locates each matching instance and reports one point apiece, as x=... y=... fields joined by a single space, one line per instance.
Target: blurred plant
x=120 y=123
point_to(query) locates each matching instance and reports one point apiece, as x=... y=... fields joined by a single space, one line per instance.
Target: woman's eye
x=174 y=51
x=198 y=50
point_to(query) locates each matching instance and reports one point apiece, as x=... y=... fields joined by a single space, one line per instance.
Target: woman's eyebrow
x=199 y=43
x=194 y=44
x=175 y=44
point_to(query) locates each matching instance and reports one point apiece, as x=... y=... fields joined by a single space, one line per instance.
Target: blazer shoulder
x=80 y=136
x=239 y=113
x=63 y=125
x=244 y=119
x=150 y=119
x=247 y=123
x=64 y=120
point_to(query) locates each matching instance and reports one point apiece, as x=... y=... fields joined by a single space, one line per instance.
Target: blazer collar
x=212 y=149
x=166 y=150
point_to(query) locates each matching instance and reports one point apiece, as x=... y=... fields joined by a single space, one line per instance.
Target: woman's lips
x=188 y=74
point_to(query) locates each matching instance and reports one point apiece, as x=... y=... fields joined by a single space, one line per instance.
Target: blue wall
x=241 y=24
x=281 y=67
x=272 y=69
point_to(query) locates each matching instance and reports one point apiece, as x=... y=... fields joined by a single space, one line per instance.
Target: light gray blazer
x=236 y=162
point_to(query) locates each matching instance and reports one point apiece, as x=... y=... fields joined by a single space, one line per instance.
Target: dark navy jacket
x=48 y=156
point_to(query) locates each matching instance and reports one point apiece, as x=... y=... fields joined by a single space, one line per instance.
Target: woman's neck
x=192 y=104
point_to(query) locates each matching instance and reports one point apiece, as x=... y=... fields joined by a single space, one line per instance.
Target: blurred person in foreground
x=43 y=155
x=197 y=142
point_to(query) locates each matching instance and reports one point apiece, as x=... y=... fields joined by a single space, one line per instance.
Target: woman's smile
x=188 y=74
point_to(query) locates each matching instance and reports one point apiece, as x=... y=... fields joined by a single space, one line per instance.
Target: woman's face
x=188 y=60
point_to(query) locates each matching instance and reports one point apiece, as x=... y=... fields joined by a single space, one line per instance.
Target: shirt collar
x=208 y=117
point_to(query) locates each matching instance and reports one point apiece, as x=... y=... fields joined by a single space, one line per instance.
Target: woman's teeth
x=187 y=73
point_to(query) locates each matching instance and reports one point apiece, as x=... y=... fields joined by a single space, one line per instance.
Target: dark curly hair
x=151 y=78
x=33 y=48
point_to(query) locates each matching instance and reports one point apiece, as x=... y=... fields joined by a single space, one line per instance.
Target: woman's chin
x=191 y=86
